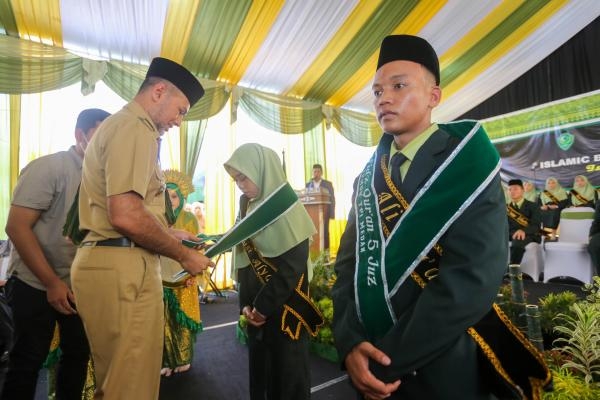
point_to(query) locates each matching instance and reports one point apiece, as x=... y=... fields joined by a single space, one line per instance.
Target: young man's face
x=516 y=192
x=404 y=95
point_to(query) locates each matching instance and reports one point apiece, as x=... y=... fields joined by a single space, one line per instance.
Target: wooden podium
x=317 y=205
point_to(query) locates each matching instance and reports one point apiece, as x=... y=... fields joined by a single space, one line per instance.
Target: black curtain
x=570 y=70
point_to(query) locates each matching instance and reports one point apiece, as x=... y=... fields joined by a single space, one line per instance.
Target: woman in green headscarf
x=278 y=355
x=182 y=306
x=529 y=192
x=583 y=193
x=552 y=200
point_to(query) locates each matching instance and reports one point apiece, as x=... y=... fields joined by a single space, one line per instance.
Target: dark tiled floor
x=219 y=369
x=220 y=366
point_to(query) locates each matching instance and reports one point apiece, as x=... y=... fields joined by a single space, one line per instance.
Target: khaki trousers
x=118 y=293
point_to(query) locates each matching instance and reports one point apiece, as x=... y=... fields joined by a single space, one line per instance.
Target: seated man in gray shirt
x=38 y=289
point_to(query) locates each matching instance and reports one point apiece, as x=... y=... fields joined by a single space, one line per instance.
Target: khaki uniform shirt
x=48 y=184
x=122 y=157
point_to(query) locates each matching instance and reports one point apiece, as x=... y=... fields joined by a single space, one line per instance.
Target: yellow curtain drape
x=15 y=138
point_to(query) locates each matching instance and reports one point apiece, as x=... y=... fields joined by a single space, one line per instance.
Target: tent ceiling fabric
x=319 y=51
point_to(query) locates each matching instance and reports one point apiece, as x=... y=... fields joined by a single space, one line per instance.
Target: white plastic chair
x=568 y=257
x=532 y=263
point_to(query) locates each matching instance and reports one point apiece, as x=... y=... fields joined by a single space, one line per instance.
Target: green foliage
x=326 y=307
x=325 y=335
x=322 y=279
x=554 y=304
x=243 y=322
x=593 y=290
x=581 y=340
x=568 y=386
x=320 y=291
x=510 y=309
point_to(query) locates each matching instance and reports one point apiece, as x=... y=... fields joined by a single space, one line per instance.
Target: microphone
x=534 y=165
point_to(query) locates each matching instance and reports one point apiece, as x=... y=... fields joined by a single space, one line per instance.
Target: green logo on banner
x=565 y=140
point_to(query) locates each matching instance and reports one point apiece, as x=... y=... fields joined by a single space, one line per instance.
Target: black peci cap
x=179 y=76
x=409 y=48
x=87 y=119
x=517 y=182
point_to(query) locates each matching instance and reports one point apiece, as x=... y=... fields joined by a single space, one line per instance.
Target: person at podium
x=318 y=184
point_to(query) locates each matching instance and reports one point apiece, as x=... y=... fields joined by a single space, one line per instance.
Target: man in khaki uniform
x=116 y=272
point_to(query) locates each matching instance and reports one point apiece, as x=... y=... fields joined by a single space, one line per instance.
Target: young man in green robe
x=425 y=247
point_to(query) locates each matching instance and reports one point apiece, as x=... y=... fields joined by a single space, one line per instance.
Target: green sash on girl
x=268 y=212
x=274 y=206
x=383 y=264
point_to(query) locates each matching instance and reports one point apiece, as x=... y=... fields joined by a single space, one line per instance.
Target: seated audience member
x=530 y=193
x=552 y=200
x=524 y=221
x=583 y=193
x=594 y=244
x=198 y=210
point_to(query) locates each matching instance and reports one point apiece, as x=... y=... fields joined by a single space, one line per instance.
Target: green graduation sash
x=511 y=365
x=381 y=265
x=274 y=206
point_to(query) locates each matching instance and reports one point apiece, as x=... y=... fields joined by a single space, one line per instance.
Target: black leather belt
x=116 y=242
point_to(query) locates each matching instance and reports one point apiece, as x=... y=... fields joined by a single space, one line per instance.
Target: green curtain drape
x=29 y=67
x=314 y=149
x=280 y=114
x=125 y=80
x=7 y=19
x=360 y=129
x=191 y=136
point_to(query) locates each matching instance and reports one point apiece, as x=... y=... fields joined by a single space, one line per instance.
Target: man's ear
x=158 y=90
x=436 y=96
